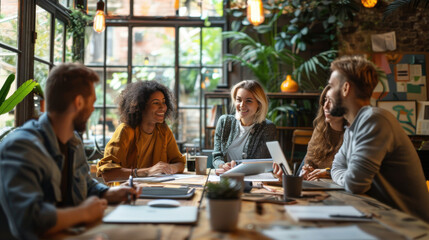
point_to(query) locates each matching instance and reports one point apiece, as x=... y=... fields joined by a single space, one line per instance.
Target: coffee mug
x=201 y=165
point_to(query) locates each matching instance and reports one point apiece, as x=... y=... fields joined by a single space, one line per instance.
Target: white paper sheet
x=262 y=177
x=327 y=233
x=162 y=178
x=325 y=213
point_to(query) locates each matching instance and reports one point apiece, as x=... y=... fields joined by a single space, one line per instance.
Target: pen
x=350 y=216
x=267 y=188
x=283 y=169
x=132 y=196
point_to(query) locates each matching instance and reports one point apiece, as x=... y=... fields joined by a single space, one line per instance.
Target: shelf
x=280 y=95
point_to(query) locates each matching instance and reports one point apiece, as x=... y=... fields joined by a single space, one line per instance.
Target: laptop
x=277 y=155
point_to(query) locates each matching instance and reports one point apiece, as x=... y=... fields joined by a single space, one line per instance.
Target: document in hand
x=326 y=213
x=147 y=214
x=252 y=167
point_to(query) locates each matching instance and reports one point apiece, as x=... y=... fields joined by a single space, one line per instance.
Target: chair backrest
x=301 y=137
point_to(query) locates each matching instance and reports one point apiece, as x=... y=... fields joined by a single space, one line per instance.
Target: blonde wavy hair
x=258 y=92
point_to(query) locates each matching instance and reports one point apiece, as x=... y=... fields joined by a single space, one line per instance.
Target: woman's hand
x=316 y=174
x=159 y=168
x=306 y=169
x=229 y=165
x=277 y=171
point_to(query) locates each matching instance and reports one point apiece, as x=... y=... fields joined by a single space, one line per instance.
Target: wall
x=411 y=27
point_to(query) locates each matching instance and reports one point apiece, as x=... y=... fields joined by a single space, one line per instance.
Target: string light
x=100 y=18
x=255 y=12
x=369 y=3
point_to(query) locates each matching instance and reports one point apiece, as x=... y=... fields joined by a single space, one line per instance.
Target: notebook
x=147 y=214
x=167 y=193
x=277 y=155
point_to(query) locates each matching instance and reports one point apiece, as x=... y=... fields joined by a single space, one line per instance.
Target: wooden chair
x=301 y=137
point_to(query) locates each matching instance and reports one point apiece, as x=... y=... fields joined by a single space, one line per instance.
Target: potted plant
x=224 y=201
x=7 y=104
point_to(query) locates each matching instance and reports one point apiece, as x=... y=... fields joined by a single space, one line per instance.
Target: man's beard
x=337 y=109
x=80 y=121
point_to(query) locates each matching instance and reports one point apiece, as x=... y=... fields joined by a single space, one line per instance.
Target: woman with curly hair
x=143 y=141
x=325 y=142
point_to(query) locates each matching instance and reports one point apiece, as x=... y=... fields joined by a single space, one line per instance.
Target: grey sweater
x=227 y=130
x=378 y=158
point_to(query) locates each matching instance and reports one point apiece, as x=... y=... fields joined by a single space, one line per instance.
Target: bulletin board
x=406 y=76
x=406 y=83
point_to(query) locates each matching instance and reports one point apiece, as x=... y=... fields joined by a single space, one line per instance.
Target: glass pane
x=162 y=75
x=211 y=78
x=189 y=49
x=212 y=46
x=99 y=92
x=92 y=6
x=64 y=3
x=41 y=72
x=94 y=50
x=117 y=45
x=154 y=8
x=96 y=123
x=154 y=44
x=8 y=61
x=188 y=125
x=9 y=22
x=213 y=8
x=118 y=7
x=43 y=29
x=189 y=87
x=59 y=41
x=191 y=8
x=69 y=43
x=116 y=80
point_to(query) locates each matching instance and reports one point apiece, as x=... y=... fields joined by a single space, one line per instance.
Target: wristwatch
x=328 y=171
x=135 y=172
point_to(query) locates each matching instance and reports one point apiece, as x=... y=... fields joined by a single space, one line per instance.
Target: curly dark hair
x=133 y=100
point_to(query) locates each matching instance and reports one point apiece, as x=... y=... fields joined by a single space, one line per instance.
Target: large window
x=28 y=54
x=150 y=40
x=9 y=19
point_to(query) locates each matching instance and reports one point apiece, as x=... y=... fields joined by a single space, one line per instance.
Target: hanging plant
x=76 y=26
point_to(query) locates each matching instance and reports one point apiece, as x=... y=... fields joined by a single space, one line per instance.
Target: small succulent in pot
x=225 y=189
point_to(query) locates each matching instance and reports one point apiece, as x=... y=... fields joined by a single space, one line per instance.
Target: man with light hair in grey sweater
x=377 y=157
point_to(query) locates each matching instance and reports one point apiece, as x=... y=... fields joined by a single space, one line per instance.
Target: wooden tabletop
x=389 y=223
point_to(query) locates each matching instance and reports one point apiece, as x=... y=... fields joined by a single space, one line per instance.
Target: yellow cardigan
x=133 y=148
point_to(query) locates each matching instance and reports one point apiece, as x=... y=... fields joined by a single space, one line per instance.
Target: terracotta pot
x=223 y=214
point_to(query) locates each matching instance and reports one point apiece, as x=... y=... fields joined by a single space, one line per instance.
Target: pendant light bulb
x=255 y=12
x=100 y=18
x=369 y=3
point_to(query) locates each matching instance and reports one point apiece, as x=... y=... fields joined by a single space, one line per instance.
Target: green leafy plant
x=224 y=190
x=76 y=26
x=399 y=4
x=6 y=105
x=269 y=52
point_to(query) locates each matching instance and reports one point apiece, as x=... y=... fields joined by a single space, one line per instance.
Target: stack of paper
x=328 y=233
x=326 y=213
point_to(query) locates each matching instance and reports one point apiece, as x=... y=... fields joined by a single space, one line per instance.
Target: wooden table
x=389 y=223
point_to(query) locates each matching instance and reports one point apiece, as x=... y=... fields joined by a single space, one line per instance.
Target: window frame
x=175 y=22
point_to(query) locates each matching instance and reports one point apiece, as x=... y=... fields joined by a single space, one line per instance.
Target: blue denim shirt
x=30 y=179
